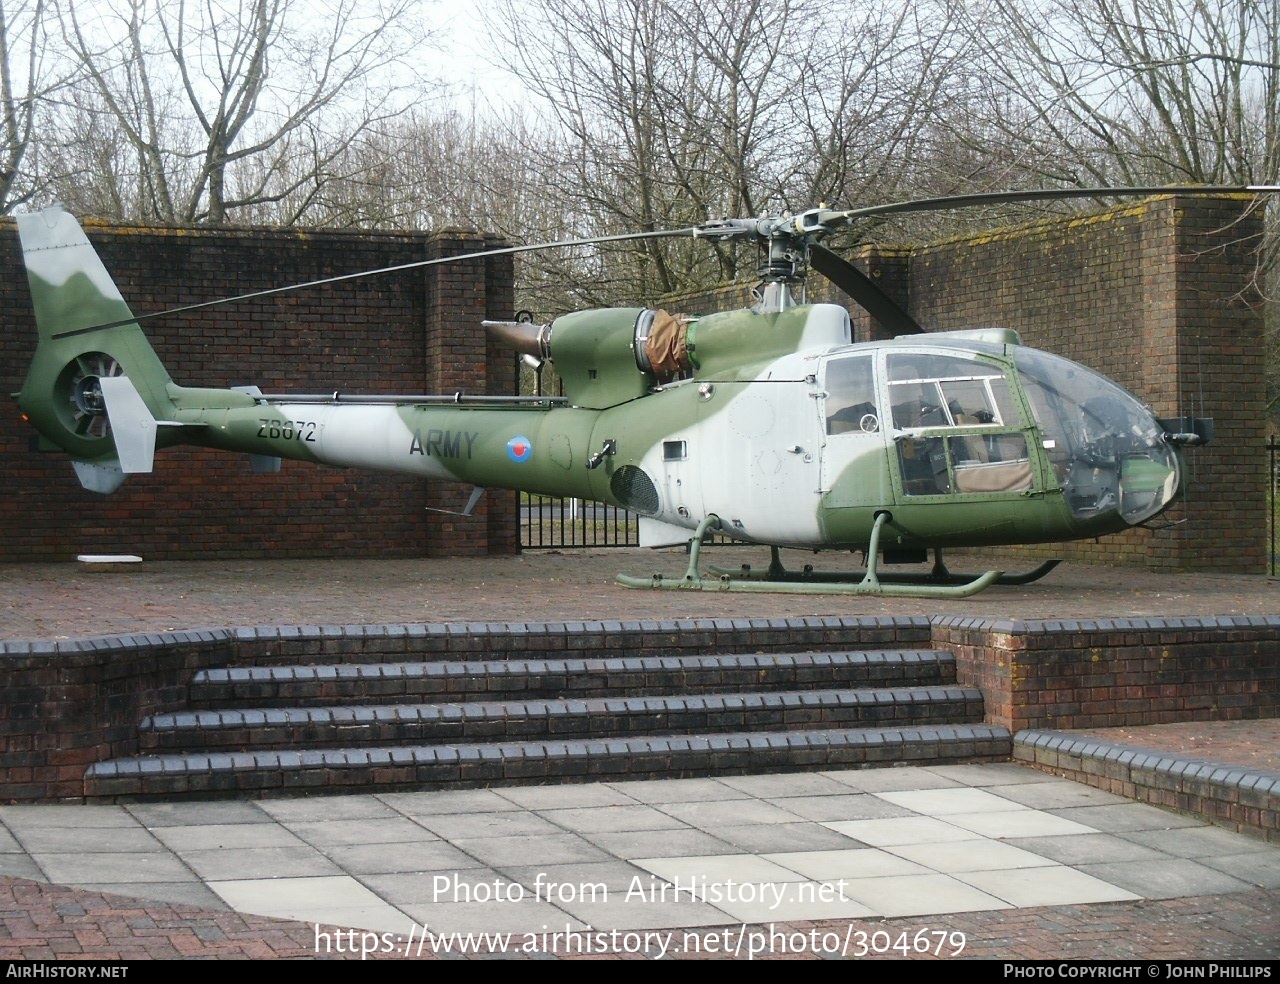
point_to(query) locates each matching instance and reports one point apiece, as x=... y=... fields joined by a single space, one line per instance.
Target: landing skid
x=778 y=580
x=940 y=574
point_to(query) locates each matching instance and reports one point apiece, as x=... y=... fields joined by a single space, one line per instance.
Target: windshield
x=1107 y=450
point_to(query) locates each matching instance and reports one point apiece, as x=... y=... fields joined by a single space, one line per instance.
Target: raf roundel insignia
x=520 y=448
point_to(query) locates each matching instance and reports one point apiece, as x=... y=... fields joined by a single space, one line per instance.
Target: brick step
x=616 y=717
x=374 y=769
x=514 y=679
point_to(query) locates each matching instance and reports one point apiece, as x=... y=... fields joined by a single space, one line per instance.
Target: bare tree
x=673 y=111
x=1132 y=91
x=1095 y=92
x=620 y=78
x=220 y=102
x=437 y=166
x=28 y=77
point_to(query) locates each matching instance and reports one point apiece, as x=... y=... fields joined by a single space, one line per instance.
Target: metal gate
x=557 y=523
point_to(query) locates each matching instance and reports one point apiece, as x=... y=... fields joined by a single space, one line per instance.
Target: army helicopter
x=767 y=425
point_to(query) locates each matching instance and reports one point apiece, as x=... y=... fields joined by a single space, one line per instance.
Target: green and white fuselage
x=773 y=422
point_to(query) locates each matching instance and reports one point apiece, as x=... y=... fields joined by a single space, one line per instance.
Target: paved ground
x=995 y=861
x=71 y=600
x=1017 y=863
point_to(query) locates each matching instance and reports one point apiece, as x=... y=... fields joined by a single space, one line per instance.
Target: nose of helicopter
x=1110 y=453
x=1150 y=479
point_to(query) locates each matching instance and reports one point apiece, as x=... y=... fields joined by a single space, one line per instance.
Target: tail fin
x=95 y=387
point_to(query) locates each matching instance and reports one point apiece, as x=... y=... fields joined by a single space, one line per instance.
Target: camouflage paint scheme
x=748 y=437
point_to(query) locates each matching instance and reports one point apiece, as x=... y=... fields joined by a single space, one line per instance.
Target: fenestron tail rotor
x=82 y=384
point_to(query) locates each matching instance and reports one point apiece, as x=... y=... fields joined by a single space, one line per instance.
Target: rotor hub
x=86 y=395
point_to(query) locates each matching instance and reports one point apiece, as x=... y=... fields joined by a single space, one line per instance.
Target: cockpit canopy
x=960 y=427
x=1105 y=447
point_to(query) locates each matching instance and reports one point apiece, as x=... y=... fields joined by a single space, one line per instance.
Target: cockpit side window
x=946 y=391
x=851 y=396
x=989 y=454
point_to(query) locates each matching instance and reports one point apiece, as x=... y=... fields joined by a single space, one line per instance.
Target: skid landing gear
x=940 y=575
x=778 y=579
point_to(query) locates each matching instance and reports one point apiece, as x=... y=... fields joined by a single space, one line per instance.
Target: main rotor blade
x=461 y=257
x=1047 y=194
x=862 y=289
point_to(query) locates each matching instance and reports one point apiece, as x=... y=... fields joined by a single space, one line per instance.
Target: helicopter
x=766 y=425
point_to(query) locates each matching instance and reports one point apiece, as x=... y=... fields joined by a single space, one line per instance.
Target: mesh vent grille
x=634 y=489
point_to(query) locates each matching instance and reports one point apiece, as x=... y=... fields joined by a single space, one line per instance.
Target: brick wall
x=1111 y=673
x=407 y=333
x=1241 y=799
